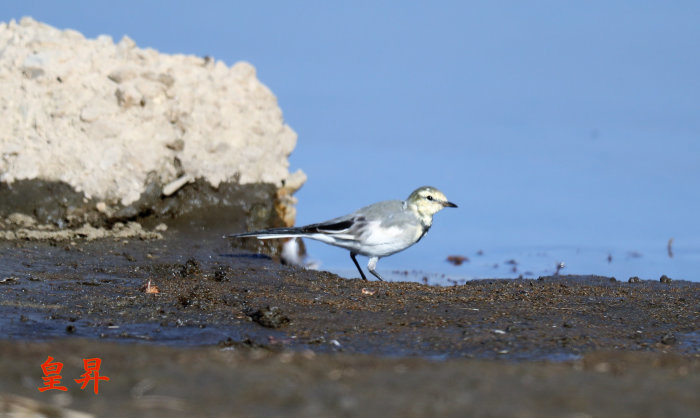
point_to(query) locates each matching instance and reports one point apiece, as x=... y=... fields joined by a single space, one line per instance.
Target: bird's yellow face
x=427 y=201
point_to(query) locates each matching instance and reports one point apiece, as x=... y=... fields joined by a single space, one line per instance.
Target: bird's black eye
x=429 y=197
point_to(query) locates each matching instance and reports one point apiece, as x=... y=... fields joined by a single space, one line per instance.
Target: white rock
x=100 y=116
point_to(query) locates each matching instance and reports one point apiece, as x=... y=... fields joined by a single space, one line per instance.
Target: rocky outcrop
x=113 y=132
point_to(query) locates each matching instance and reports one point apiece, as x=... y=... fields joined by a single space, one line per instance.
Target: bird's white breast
x=382 y=241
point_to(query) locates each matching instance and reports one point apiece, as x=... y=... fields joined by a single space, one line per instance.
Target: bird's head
x=427 y=201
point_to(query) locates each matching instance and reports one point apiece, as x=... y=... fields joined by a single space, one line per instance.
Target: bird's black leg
x=352 y=255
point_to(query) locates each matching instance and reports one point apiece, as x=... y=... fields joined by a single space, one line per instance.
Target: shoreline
x=273 y=338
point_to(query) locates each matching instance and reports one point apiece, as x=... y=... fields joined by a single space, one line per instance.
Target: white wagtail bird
x=375 y=231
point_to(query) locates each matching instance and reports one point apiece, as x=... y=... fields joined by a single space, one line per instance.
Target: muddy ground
x=235 y=333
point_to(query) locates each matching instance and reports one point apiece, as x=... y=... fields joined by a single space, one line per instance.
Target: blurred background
x=566 y=132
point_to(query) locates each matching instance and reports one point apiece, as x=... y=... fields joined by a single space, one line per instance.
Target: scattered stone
x=177 y=184
x=668 y=339
x=190 y=268
x=317 y=340
x=149 y=288
x=184 y=300
x=221 y=273
x=101 y=207
x=457 y=260
x=633 y=279
x=246 y=343
x=269 y=317
x=129 y=257
x=90 y=283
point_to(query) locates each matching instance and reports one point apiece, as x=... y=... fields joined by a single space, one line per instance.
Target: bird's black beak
x=449 y=205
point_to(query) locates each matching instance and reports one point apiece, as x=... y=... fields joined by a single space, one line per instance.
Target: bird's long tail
x=327 y=231
x=271 y=233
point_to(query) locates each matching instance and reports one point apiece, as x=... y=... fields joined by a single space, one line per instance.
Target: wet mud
x=196 y=204
x=230 y=332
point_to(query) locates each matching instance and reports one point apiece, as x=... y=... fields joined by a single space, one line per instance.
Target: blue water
x=528 y=261
x=565 y=131
x=570 y=198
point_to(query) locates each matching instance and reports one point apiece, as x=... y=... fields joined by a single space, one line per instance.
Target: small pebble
x=457 y=260
x=269 y=317
x=668 y=339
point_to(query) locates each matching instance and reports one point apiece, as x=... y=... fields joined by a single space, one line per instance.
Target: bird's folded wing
x=340 y=228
